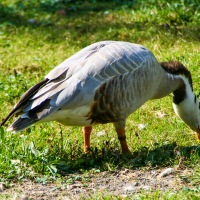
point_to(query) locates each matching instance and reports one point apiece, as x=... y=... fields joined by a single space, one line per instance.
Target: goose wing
x=118 y=97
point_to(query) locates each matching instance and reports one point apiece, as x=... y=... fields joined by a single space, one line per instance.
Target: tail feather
x=23 y=100
x=20 y=124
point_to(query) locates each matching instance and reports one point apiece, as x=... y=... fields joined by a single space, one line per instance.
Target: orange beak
x=197 y=135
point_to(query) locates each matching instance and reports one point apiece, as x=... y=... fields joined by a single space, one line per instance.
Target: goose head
x=187 y=106
x=185 y=103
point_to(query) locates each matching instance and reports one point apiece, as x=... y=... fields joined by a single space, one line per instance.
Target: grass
x=35 y=36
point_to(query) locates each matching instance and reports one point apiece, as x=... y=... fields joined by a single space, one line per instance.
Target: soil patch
x=124 y=182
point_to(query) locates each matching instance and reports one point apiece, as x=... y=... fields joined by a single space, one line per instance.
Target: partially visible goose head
x=185 y=103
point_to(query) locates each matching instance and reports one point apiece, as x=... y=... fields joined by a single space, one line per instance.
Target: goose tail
x=20 y=124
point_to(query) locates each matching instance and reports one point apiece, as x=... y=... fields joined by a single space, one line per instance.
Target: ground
x=122 y=183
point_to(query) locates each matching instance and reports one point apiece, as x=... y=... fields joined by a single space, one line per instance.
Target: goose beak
x=197 y=135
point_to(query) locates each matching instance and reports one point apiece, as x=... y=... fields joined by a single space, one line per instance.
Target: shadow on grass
x=19 y=12
x=110 y=159
x=91 y=20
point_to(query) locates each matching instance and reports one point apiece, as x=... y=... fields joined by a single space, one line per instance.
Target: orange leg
x=86 y=132
x=122 y=138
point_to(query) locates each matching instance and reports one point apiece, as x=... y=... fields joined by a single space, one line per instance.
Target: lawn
x=35 y=36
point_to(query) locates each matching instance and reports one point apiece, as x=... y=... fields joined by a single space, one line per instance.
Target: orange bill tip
x=197 y=136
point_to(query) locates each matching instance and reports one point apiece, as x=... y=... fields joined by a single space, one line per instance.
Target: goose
x=104 y=83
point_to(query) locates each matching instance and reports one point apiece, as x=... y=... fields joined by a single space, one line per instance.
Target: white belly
x=72 y=117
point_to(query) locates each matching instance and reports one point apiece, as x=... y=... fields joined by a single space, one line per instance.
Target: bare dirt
x=122 y=183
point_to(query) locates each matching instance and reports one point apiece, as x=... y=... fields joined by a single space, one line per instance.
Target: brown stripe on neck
x=179 y=94
x=176 y=68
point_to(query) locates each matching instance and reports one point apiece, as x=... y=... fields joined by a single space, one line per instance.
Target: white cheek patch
x=188 y=109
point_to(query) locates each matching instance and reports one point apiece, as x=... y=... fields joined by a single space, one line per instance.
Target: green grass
x=34 y=38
